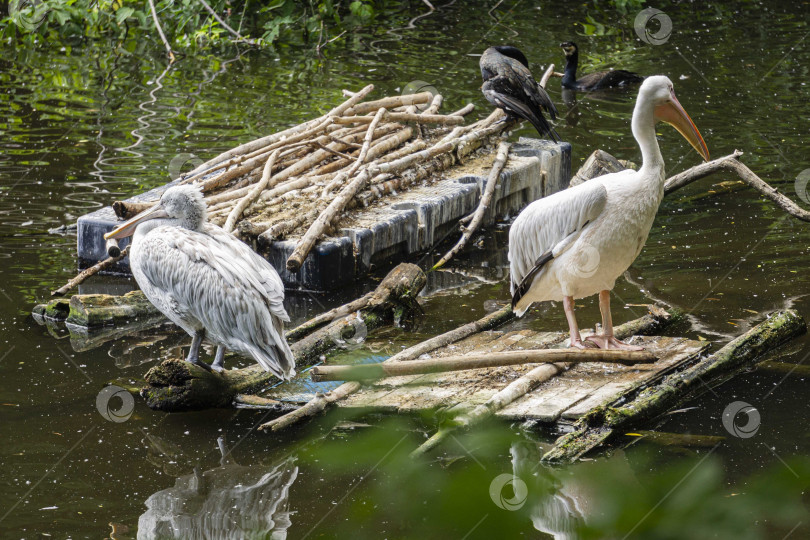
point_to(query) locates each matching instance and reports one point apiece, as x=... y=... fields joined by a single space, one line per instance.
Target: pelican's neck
x=652 y=163
x=146 y=227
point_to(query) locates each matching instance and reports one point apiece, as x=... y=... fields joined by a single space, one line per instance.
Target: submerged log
x=362 y=372
x=176 y=385
x=324 y=318
x=784 y=368
x=83 y=338
x=662 y=438
x=598 y=426
x=249 y=401
x=648 y=324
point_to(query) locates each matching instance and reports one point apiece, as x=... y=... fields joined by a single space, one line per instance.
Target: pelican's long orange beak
x=673 y=114
x=128 y=227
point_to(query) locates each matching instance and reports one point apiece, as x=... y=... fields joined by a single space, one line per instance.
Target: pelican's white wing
x=546 y=227
x=235 y=294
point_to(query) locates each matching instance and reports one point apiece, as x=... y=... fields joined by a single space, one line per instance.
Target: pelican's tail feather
x=519 y=290
x=275 y=361
x=271 y=350
x=520 y=310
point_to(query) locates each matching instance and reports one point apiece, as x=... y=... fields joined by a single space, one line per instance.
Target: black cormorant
x=509 y=84
x=593 y=81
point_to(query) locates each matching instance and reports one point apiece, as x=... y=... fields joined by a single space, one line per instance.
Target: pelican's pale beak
x=673 y=114
x=128 y=227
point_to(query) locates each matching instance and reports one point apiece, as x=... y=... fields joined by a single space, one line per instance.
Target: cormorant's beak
x=673 y=114
x=128 y=227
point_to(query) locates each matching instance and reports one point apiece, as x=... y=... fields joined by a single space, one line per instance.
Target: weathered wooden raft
x=599 y=399
x=563 y=398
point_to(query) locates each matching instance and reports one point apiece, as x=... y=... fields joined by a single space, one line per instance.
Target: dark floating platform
x=391 y=230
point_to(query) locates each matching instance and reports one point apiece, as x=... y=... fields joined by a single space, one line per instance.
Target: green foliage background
x=187 y=23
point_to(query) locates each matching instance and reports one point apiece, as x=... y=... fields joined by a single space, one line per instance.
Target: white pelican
x=208 y=282
x=576 y=242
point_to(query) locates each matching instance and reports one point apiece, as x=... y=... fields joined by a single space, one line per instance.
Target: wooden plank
x=468 y=388
x=568 y=395
x=497 y=341
x=463 y=346
x=587 y=386
x=465 y=388
x=680 y=350
x=557 y=395
x=414 y=398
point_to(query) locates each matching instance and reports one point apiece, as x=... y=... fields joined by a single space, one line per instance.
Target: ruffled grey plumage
x=208 y=282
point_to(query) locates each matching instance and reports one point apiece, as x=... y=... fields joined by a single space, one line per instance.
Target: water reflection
x=561 y=502
x=231 y=501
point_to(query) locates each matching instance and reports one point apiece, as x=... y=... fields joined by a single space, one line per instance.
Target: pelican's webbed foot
x=219 y=360
x=579 y=344
x=198 y=362
x=610 y=342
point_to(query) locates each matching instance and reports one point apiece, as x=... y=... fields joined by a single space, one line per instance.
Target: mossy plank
x=55 y=310
x=95 y=310
x=585 y=386
x=679 y=351
x=600 y=424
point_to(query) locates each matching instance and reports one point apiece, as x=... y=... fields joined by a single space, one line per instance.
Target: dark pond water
x=83 y=126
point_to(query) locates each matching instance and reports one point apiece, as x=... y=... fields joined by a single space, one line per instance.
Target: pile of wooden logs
x=298 y=182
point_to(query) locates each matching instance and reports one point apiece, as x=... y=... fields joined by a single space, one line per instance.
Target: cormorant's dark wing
x=536 y=93
x=501 y=92
x=509 y=84
x=608 y=79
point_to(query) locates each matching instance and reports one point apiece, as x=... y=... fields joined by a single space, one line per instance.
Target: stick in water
x=361 y=372
x=93 y=270
x=483 y=206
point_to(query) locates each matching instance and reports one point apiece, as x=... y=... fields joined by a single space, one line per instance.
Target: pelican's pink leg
x=606 y=340
x=573 y=327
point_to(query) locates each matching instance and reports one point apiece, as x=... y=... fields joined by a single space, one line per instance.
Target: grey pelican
x=208 y=282
x=509 y=84
x=577 y=242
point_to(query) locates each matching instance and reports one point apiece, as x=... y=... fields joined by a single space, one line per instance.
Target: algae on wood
x=662 y=438
x=55 y=310
x=93 y=310
x=598 y=426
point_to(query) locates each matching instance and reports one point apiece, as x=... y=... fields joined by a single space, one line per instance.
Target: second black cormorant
x=593 y=81
x=509 y=84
